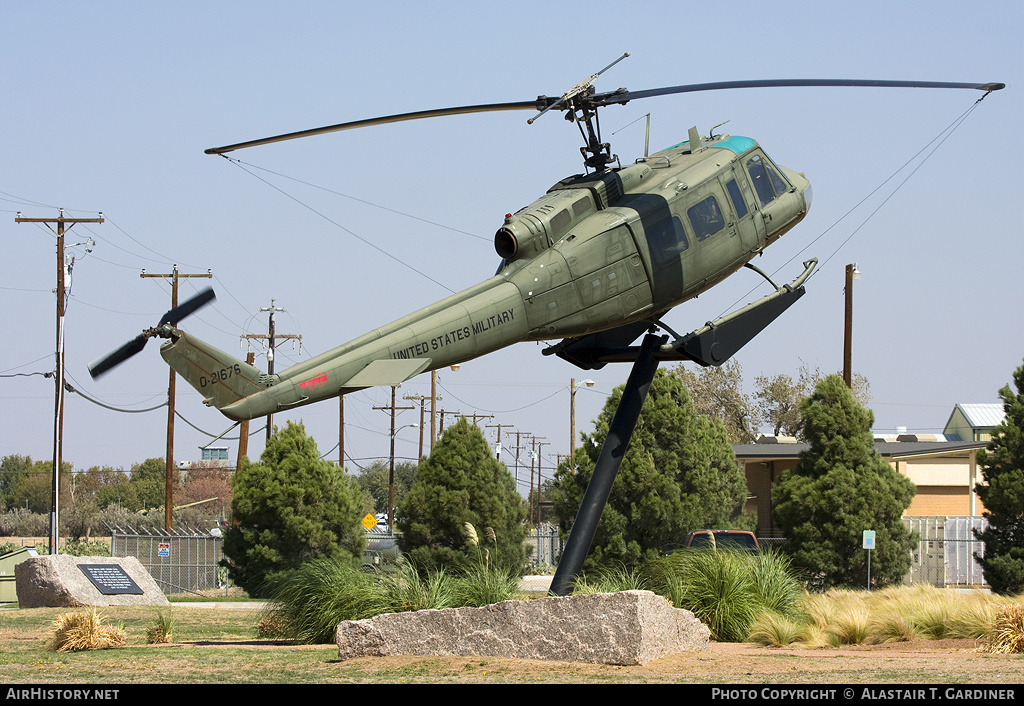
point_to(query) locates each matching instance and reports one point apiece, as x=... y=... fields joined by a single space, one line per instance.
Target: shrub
x=726 y=590
x=162 y=631
x=1008 y=633
x=312 y=599
x=84 y=630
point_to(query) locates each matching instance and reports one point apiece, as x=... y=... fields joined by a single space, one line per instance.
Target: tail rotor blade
x=122 y=354
x=173 y=316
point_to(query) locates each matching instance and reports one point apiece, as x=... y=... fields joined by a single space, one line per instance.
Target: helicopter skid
x=712 y=344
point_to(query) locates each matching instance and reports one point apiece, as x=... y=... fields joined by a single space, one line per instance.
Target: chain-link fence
x=545 y=545
x=180 y=561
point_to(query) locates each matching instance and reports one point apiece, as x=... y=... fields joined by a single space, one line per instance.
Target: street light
x=852 y=273
x=572 y=419
x=391 y=479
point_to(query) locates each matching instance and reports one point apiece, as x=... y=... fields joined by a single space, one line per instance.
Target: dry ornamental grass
x=1008 y=635
x=72 y=632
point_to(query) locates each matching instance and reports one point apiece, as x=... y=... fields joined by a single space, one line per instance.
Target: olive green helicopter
x=592 y=264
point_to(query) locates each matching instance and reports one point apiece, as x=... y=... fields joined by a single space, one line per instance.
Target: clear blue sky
x=109 y=106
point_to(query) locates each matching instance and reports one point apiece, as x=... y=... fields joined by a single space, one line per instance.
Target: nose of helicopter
x=799 y=180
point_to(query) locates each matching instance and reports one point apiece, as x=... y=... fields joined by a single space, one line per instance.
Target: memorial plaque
x=110 y=579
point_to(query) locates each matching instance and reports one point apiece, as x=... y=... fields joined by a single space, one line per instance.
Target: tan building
x=974 y=422
x=945 y=473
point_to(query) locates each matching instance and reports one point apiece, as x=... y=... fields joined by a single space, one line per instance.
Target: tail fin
x=220 y=378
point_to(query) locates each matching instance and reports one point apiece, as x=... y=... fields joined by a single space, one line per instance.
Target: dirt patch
x=917 y=662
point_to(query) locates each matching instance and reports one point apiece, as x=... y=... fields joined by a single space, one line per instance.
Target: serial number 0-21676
x=220 y=375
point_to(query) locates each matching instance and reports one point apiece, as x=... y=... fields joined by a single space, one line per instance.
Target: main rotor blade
x=120 y=355
x=401 y=117
x=173 y=316
x=625 y=96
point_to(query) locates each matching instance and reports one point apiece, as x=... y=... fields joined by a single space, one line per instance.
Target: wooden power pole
x=174 y=275
x=271 y=337
x=63 y=224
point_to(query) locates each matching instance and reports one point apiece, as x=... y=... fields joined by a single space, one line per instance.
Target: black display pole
x=607 y=467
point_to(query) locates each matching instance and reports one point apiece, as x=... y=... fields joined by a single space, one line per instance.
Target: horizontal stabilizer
x=387 y=372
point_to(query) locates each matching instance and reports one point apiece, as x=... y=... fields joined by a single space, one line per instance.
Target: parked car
x=728 y=539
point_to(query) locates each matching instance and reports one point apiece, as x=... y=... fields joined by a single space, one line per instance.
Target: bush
x=72 y=632
x=727 y=590
x=288 y=509
x=314 y=598
x=19 y=522
x=82 y=547
x=460 y=484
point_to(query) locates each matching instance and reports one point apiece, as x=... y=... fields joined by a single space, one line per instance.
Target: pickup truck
x=736 y=540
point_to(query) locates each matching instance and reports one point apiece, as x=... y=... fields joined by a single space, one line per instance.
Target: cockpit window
x=767 y=182
x=706 y=218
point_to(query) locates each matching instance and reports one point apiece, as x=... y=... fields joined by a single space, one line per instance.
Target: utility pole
x=422 y=400
x=852 y=273
x=243 y=428
x=481 y=417
x=169 y=454
x=536 y=456
x=63 y=274
x=341 y=431
x=519 y=447
x=442 y=413
x=499 y=427
x=271 y=337
x=391 y=471
x=433 y=408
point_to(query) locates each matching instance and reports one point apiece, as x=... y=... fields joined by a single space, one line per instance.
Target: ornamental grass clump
x=314 y=598
x=162 y=631
x=1008 y=633
x=484 y=584
x=611 y=580
x=407 y=589
x=73 y=632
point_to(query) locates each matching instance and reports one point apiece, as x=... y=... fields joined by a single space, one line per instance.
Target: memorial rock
x=629 y=627
x=61 y=580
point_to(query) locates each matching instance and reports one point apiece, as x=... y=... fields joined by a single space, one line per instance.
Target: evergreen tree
x=841 y=487
x=289 y=508
x=1002 y=492
x=375 y=482
x=678 y=474
x=461 y=482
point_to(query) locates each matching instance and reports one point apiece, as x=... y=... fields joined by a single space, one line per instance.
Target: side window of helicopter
x=737 y=199
x=706 y=218
x=581 y=206
x=667 y=240
x=559 y=223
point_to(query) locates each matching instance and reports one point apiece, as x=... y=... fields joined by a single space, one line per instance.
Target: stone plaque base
x=631 y=627
x=70 y=581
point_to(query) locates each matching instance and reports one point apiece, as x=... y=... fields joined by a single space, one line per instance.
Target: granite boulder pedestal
x=64 y=581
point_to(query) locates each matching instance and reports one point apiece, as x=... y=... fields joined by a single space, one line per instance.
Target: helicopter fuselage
x=596 y=252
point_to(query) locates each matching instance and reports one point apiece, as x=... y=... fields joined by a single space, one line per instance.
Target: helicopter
x=592 y=264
